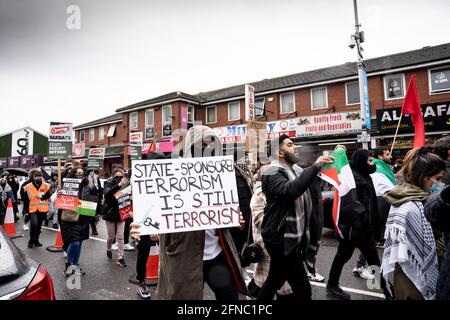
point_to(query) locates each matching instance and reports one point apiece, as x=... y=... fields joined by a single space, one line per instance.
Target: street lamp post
x=356 y=39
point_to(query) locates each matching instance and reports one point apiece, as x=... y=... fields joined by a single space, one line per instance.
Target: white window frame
x=386 y=98
x=239 y=110
x=312 y=100
x=215 y=114
x=193 y=114
x=91 y=134
x=429 y=81
x=101 y=133
x=84 y=135
x=146 y=118
x=264 y=107
x=346 y=94
x=281 y=102
x=137 y=121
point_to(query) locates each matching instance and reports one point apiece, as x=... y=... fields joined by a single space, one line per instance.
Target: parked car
x=22 y=278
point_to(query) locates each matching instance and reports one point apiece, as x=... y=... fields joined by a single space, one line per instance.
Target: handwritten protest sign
x=69 y=198
x=177 y=195
x=124 y=200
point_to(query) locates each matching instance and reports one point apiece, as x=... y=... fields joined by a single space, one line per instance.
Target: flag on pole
x=153 y=144
x=411 y=106
x=340 y=176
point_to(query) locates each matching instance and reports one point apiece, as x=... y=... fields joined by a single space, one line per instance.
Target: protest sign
x=135 y=148
x=96 y=158
x=60 y=140
x=124 y=200
x=69 y=198
x=177 y=195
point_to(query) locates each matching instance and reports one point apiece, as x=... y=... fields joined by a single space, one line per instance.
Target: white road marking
x=357 y=291
x=317 y=284
x=93 y=238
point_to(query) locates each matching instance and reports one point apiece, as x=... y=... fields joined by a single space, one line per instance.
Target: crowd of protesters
x=399 y=222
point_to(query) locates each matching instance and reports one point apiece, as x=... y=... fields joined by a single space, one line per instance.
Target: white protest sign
x=177 y=195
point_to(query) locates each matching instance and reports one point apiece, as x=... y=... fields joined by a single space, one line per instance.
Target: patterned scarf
x=243 y=166
x=410 y=243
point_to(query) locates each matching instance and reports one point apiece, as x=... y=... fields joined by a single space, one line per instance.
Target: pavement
x=104 y=280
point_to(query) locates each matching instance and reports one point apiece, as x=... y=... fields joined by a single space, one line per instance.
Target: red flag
x=411 y=106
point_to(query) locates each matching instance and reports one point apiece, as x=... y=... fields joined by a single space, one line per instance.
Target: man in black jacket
x=292 y=214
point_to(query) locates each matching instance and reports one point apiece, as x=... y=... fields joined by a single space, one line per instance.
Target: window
x=287 y=103
x=101 y=133
x=167 y=114
x=234 y=112
x=91 y=134
x=112 y=130
x=439 y=80
x=81 y=135
x=211 y=114
x=133 y=121
x=352 y=92
x=259 y=107
x=191 y=115
x=149 y=118
x=394 y=86
x=319 y=98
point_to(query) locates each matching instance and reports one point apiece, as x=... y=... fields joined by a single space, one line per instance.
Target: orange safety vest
x=37 y=204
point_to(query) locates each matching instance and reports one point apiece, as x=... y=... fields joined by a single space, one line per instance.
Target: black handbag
x=251 y=252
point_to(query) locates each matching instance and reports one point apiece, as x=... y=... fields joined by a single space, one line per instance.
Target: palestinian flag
x=383 y=179
x=340 y=176
x=86 y=208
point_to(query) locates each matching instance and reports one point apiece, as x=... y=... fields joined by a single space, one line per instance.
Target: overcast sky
x=127 y=51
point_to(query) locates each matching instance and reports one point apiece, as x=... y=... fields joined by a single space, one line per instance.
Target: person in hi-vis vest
x=36 y=198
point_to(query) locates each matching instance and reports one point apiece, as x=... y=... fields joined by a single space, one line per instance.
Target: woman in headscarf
x=410 y=264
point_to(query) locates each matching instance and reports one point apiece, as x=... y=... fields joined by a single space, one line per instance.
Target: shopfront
x=436 y=118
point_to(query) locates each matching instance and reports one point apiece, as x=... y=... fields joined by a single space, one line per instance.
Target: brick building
x=317 y=108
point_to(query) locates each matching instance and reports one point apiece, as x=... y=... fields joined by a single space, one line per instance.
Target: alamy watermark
x=73 y=21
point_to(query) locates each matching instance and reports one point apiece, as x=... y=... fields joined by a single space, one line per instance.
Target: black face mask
x=3 y=184
x=371 y=168
x=37 y=182
x=118 y=179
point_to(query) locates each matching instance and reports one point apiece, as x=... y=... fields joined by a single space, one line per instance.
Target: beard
x=291 y=158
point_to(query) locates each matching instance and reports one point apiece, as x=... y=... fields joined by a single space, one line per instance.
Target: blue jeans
x=73 y=253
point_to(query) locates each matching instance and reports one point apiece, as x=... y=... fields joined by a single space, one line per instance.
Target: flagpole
x=396 y=131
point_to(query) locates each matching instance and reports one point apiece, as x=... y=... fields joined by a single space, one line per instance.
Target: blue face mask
x=437 y=187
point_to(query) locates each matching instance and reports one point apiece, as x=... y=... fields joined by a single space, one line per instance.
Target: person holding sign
x=74 y=226
x=292 y=218
x=35 y=198
x=204 y=251
x=111 y=214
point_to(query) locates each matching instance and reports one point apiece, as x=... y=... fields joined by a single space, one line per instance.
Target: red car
x=22 y=278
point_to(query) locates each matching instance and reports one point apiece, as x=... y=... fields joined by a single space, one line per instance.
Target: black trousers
x=143 y=248
x=93 y=223
x=36 y=220
x=345 y=252
x=285 y=268
x=126 y=234
x=217 y=274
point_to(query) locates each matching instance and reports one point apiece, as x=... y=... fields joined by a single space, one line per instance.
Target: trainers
x=109 y=254
x=25 y=226
x=363 y=272
x=338 y=293
x=128 y=247
x=30 y=244
x=70 y=270
x=55 y=226
x=121 y=263
x=94 y=232
x=115 y=247
x=315 y=277
x=143 y=291
x=79 y=271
